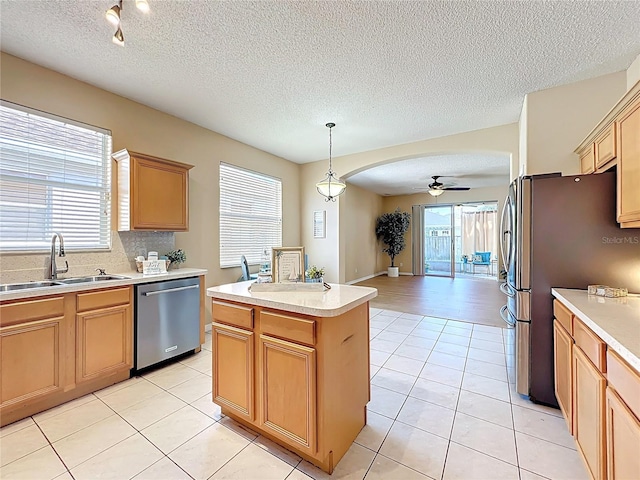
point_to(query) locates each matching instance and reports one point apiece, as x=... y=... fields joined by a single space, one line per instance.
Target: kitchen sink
x=22 y=286
x=98 y=278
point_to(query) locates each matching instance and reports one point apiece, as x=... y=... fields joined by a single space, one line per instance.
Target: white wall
x=557 y=119
x=633 y=73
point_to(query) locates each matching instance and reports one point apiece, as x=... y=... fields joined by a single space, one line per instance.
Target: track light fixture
x=114 y=16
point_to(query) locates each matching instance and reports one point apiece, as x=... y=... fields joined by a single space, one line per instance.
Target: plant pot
x=393 y=271
x=315 y=280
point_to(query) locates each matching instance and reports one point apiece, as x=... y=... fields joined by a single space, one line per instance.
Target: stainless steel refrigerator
x=558 y=232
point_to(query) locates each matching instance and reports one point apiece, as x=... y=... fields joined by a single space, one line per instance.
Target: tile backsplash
x=121 y=259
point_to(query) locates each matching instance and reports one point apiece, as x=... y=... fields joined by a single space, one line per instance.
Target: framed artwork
x=287 y=264
x=319 y=230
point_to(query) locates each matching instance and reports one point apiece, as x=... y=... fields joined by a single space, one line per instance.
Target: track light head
x=118 y=38
x=113 y=15
x=142 y=5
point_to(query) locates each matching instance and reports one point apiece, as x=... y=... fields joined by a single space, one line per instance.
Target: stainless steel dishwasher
x=167 y=320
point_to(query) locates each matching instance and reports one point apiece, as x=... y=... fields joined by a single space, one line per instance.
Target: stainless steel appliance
x=558 y=232
x=167 y=321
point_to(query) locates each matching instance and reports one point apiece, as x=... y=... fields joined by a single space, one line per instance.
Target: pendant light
x=330 y=187
x=113 y=14
x=436 y=192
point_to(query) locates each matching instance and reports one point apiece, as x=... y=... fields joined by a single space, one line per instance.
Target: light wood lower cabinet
x=54 y=349
x=588 y=413
x=623 y=439
x=233 y=368
x=103 y=342
x=562 y=349
x=33 y=359
x=288 y=391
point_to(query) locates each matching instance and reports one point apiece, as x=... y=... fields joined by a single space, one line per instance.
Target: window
x=55 y=176
x=250 y=215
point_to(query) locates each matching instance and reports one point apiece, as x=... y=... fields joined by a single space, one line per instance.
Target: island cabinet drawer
x=103 y=299
x=232 y=314
x=590 y=344
x=624 y=380
x=563 y=315
x=30 y=310
x=297 y=330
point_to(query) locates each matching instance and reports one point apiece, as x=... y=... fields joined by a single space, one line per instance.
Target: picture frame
x=287 y=264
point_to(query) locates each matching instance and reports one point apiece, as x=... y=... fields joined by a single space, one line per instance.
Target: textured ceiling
x=413 y=176
x=272 y=73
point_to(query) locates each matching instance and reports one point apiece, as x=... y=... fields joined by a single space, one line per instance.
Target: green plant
x=390 y=229
x=177 y=256
x=314 y=272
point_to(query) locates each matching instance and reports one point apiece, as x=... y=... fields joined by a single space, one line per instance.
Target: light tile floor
x=442 y=406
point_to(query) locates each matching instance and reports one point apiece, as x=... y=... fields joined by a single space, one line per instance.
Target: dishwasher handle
x=169 y=290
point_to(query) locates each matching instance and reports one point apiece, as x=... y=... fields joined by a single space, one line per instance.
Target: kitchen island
x=294 y=365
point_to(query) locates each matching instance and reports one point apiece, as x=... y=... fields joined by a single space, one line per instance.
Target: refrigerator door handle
x=505 y=316
x=504 y=235
x=506 y=289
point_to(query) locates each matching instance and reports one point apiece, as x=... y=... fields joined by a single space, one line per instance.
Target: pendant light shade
x=330 y=187
x=436 y=192
x=142 y=5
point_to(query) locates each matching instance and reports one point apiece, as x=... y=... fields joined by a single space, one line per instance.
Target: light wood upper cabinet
x=233 y=367
x=589 y=413
x=562 y=351
x=288 y=396
x=628 y=186
x=605 y=147
x=587 y=159
x=623 y=439
x=153 y=193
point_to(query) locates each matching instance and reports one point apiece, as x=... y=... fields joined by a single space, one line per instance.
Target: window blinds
x=250 y=215
x=55 y=176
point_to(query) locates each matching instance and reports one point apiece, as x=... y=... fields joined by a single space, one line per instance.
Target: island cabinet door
x=233 y=365
x=288 y=392
x=589 y=413
x=623 y=439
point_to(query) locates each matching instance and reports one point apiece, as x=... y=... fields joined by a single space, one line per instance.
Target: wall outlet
x=356 y=270
x=400 y=263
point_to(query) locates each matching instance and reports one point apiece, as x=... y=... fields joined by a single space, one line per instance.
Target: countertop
x=329 y=303
x=132 y=279
x=615 y=320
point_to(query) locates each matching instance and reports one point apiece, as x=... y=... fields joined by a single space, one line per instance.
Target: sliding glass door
x=438 y=245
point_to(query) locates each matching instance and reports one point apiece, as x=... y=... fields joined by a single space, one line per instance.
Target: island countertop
x=329 y=303
x=615 y=320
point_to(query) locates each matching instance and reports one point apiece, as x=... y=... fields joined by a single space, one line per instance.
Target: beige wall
x=332 y=251
x=558 y=119
x=143 y=129
x=357 y=224
x=633 y=73
x=405 y=202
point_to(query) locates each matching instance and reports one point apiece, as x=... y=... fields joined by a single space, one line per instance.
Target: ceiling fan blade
x=456 y=188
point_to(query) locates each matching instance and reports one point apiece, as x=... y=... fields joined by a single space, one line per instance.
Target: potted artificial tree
x=390 y=229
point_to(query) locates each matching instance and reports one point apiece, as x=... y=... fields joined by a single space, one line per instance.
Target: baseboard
x=362 y=279
x=406 y=273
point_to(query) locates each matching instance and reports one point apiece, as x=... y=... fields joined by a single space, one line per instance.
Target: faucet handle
x=101 y=271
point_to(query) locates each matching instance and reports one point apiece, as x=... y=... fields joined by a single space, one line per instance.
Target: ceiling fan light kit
x=437 y=188
x=114 y=16
x=330 y=187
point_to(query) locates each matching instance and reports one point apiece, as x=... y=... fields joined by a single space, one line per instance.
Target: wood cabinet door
x=31 y=360
x=605 y=146
x=587 y=159
x=623 y=439
x=233 y=369
x=589 y=413
x=562 y=346
x=104 y=340
x=159 y=195
x=288 y=396
x=628 y=174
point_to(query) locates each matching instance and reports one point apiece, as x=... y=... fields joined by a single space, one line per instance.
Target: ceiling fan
x=437 y=188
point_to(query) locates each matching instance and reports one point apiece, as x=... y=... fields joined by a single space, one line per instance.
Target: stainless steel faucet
x=54 y=271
